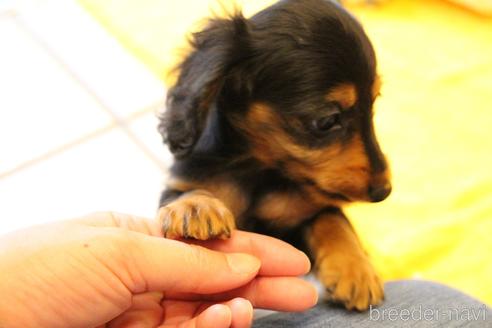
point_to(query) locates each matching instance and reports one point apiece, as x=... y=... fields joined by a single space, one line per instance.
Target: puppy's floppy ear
x=216 y=49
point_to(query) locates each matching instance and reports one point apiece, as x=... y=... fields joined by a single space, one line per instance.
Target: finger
x=124 y=221
x=237 y=312
x=195 y=314
x=242 y=313
x=279 y=293
x=277 y=257
x=216 y=316
x=156 y=264
x=145 y=311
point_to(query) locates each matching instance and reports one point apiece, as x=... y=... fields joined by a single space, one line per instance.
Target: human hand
x=113 y=270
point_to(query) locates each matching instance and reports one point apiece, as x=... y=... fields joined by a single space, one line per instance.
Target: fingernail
x=243 y=263
x=306 y=261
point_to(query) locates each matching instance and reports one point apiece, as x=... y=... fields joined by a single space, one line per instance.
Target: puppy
x=270 y=123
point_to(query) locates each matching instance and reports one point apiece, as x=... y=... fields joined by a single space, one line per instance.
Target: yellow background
x=434 y=121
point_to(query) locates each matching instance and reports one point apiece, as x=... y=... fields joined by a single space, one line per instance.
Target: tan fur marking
x=221 y=188
x=196 y=214
x=230 y=195
x=342 y=265
x=345 y=94
x=337 y=168
x=181 y=185
x=285 y=209
x=264 y=130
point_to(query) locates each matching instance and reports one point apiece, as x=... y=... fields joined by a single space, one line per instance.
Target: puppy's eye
x=327 y=123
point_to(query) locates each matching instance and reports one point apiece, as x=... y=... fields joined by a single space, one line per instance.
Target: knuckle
x=199 y=257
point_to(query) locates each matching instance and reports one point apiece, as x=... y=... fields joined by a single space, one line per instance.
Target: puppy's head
x=295 y=84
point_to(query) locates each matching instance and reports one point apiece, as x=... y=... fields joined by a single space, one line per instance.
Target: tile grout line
x=76 y=142
x=141 y=145
x=57 y=150
x=116 y=118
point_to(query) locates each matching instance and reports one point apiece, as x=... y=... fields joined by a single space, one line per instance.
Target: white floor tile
x=5 y=6
x=106 y=173
x=41 y=106
x=145 y=129
x=117 y=78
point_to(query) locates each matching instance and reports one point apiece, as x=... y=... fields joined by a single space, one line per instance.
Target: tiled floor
x=77 y=118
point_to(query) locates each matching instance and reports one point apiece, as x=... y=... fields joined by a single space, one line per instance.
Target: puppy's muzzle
x=379 y=192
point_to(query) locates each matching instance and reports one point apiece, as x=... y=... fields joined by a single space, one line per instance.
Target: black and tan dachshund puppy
x=270 y=123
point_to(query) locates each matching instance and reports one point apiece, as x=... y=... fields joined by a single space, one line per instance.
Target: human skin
x=116 y=270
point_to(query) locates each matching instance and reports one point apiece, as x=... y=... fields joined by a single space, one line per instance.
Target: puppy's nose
x=378 y=193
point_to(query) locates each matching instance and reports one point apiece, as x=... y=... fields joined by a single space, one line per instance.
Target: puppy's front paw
x=350 y=280
x=197 y=216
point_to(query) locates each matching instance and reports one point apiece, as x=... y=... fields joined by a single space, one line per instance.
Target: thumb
x=170 y=265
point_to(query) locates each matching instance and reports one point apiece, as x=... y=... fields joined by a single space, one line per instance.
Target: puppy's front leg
x=196 y=214
x=341 y=264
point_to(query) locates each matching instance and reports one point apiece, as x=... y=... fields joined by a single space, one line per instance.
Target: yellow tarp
x=434 y=121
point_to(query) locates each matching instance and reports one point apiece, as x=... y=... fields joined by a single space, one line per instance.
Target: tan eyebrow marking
x=376 y=87
x=345 y=94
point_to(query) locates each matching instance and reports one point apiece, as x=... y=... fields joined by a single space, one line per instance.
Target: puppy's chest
x=283 y=208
